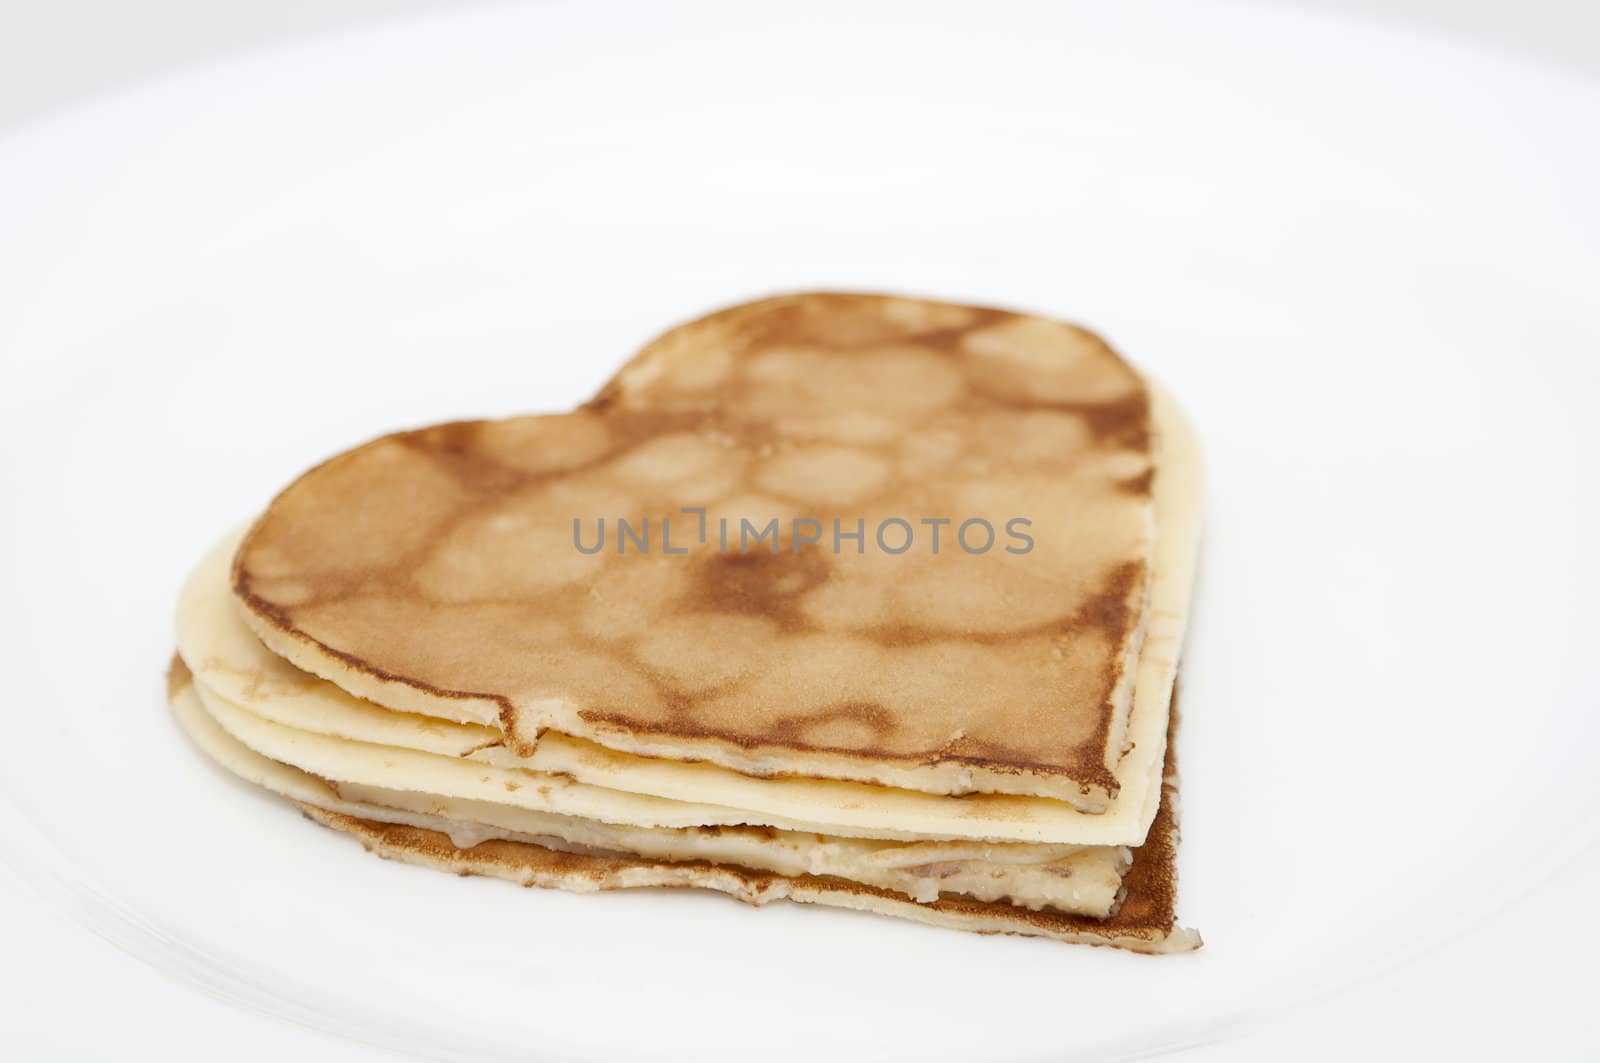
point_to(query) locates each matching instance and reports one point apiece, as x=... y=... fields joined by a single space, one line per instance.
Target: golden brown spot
x=178 y=677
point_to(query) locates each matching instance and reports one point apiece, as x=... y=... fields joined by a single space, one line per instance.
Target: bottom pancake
x=1144 y=921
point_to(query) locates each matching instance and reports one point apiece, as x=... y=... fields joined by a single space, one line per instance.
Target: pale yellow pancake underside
x=1080 y=879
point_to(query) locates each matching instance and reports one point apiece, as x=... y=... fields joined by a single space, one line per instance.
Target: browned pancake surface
x=444 y=559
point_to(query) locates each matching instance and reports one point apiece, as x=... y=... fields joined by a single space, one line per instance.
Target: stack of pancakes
x=861 y=601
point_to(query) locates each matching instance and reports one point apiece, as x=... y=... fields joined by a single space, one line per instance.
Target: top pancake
x=443 y=570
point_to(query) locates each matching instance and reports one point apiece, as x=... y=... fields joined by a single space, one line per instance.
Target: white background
x=62 y=988
x=60 y=52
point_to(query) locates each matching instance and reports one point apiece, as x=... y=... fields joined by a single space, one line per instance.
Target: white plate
x=1366 y=262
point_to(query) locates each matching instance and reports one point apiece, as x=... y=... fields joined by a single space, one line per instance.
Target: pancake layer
x=443 y=571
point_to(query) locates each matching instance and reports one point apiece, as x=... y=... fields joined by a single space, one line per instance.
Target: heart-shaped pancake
x=839 y=536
